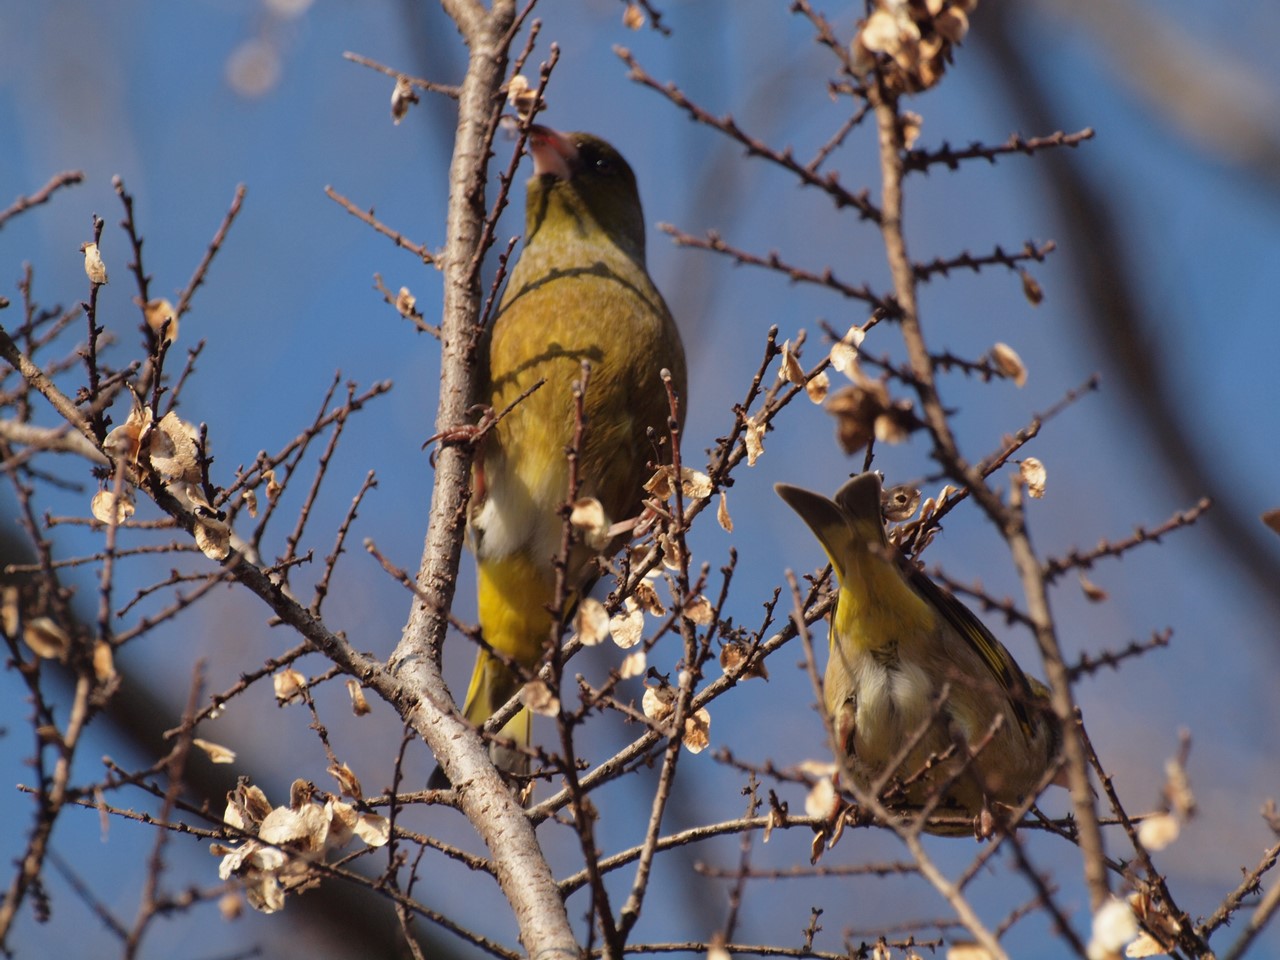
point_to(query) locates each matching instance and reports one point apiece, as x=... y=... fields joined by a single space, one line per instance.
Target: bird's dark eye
x=603 y=165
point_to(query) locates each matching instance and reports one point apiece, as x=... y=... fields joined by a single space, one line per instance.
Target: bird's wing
x=1003 y=668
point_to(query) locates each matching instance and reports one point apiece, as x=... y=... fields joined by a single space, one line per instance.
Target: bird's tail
x=513 y=595
x=493 y=683
x=845 y=526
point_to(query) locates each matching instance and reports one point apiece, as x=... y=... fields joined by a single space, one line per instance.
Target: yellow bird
x=895 y=639
x=579 y=292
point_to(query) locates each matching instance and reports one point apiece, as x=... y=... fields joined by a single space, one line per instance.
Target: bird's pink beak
x=553 y=153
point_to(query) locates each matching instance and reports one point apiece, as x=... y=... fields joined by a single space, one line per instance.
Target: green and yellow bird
x=579 y=292
x=895 y=638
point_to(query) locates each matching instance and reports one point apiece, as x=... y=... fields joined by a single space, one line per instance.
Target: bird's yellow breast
x=876 y=608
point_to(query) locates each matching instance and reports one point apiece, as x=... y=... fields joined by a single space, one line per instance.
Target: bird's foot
x=465 y=434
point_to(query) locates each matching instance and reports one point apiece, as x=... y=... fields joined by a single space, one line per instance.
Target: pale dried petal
x=108 y=508
x=234 y=859
x=1178 y=789
x=722 y=513
x=265 y=893
x=374 y=829
x=695 y=484
x=537 y=696
x=967 y=951
x=659 y=485
x=94 y=268
x=633 y=665
x=697 y=731
x=521 y=95
x=247 y=806
x=104 y=664
x=952 y=24
x=10 y=610
x=173 y=449
x=890 y=428
x=1157 y=832
x=591 y=622
x=627 y=626
x=821 y=800
x=647 y=599
x=1034 y=476
x=844 y=354
x=818 y=386
x=403 y=96
x=1114 y=926
x=699 y=610
x=359 y=704
x=865 y=411
x=911 y=125
x=215 y=751
x=658 y=703
x=733 y=657
x=790 y=370
x=406 y=303
x=1092 y=592
x=880 y=32
x=274 y=488
x=1006 y=360
x=588 y=518
x=862 y=61
x=1145 y=946
x=46 y=639
x=289 y=684
x=253 y=67
x=348 y=782
x=230 y=905
x=342 y=822
x=306 y=829
x=1032 y=290
x=672 y=554
x=250 y=500
x=125 y=441
x=753 y=439
x=633 y=17
x=213 y=538
x=161 y=319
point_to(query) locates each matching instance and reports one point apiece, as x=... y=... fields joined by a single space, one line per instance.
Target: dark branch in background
x=1119 y=319
x=43 y=195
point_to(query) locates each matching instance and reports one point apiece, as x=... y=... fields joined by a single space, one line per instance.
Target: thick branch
x=523 y=872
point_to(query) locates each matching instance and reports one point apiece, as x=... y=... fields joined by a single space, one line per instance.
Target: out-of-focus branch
x=1200 y=88
x=66 y=179
x=1118 y=316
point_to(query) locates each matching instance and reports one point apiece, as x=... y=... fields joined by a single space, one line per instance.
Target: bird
x=895 y=639
x=579 y=293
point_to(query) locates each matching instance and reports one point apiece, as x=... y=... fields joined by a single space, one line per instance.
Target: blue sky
x=142 y=91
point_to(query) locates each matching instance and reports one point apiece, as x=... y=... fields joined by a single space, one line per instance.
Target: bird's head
x=582 y=187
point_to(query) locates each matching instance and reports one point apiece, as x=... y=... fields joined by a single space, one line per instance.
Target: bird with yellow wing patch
x=896 y=638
